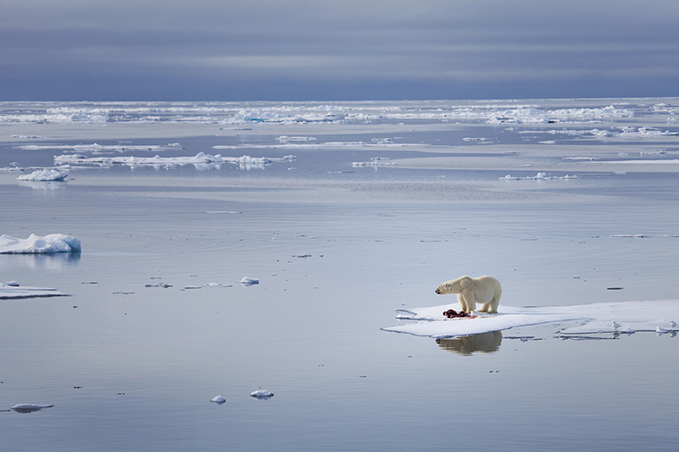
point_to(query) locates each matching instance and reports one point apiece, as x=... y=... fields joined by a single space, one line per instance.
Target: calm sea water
x=338 y=247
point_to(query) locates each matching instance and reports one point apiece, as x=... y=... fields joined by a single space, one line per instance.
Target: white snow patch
x=49 y=244
x=623 y=317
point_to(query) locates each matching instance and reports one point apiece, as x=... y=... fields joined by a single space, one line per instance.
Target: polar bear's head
x=453 y=286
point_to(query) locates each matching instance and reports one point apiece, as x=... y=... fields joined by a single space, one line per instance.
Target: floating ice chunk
x=50 y=244
x=218 y=400
x=261 y=394
x=12 y=290
x=246 y=281
x=214 y=284
x=45 y=175
x=13 y=167
x=375 y=161
x=163 y=285
x=29 y=407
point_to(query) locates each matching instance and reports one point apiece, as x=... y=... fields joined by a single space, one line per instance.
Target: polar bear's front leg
x=466 y=304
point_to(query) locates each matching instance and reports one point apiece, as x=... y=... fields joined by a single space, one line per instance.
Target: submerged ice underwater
x=348 y=215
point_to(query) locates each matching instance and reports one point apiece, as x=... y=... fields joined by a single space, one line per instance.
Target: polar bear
x=484 y=289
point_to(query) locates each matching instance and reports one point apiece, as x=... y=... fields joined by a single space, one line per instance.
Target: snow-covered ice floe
x=12 y=290
x=219 y=400
x=261 y=394
x=624 y=317
x=45 y=175
x=35 y=244
x=246 y=281
x=538 y=176
x=201 y=158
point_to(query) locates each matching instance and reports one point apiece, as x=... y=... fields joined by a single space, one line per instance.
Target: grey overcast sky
x=337 y=50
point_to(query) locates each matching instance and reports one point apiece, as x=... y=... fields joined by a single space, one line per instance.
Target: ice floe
x=375 y=161
x=44 y=175
x=244 y=162
x=29 y=407
x=299 y=144
x=35 y=244
x=625 y=133
x=160 y=284
x=13 y=290
x=12 y=167
x=246 y=281
x=538 y=176
x=624 y=317
x=261 y=394
x=96 y=148
x=219 y=400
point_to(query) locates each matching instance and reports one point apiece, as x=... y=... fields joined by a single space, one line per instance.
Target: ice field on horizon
x=543 y=111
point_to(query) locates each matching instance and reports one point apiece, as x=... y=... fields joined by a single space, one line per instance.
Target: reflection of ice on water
x=43 y=185
x=466 y=345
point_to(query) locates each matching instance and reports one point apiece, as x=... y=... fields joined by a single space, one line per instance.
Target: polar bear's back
x=486 y=288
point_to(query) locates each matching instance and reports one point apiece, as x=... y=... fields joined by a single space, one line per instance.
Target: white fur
x=485 y=290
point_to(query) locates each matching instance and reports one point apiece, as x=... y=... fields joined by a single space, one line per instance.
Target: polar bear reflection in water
x=466 y=345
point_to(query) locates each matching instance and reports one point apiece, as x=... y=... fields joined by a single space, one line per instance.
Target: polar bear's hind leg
x=495 y=303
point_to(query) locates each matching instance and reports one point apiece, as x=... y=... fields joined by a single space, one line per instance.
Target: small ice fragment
x=216 y=284
x=248 y=281
x=29 y=407
x=660 y=330
x=261 y=394
x=193 y=287
x=163 y=285
x=218 y=400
